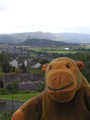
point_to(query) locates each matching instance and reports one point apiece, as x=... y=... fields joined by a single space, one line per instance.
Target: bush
x=41 y=87
x=4 y=91
x=6 y=115
x=13 y=84
x=24 y=92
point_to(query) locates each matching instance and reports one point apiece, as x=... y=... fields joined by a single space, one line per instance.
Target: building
x=37 y=65
x=14 y=63
x=17 y=63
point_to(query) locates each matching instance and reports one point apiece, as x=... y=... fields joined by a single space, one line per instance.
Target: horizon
x=44 y=32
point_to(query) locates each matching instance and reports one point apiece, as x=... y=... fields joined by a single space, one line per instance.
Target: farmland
x=59 y=50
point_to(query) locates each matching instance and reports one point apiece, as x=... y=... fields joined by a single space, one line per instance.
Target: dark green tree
x=23 y=68
x=6 y=67
x=44 y=61
x=14 y=84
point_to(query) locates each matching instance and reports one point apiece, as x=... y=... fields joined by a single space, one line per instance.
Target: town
x=24 y=63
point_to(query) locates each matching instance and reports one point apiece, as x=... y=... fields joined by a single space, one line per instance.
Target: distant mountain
x=64 y=37
x=41 y=35
x=42 y=42
x=73 y=37
x=9 y=39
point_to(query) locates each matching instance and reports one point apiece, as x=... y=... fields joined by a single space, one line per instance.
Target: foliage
x=86 y=71
x=41 y=87
x=81 y=56
x=6 y=115
x=4 y=91
x=14 y=84
x=3 y=58
x=4 y=63
x=6 y=67
x=23 y=68
x=1 y=82
x=42 y=42
x=44 y=61
x=13 y=69
x=34 y=70
x=24 y=92
x=85 y=58
x=35 y=60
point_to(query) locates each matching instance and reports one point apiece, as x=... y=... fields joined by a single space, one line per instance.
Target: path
x=8 y=106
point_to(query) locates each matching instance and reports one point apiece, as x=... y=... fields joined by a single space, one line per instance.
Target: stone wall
x=23 y=79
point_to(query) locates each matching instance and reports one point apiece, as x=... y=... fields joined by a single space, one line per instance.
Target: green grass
x=10 y=73
x=58 y=50
x=38 y=49
x=87 y=46
x=19 y=97
x=34 y=70
x=64 y=52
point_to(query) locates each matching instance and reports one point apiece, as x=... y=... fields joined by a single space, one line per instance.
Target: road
x=10 y=106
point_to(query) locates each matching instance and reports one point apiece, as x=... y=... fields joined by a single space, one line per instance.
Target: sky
x=54 y=16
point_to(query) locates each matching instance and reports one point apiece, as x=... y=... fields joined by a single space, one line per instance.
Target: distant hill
x=42 y=42
x=64 y=37
x=73 y=37
x=9 y=39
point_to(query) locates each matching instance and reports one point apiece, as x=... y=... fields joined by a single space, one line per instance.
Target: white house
x=66 y=48
x=14 y=63
x=25 y=62
x=36 y=65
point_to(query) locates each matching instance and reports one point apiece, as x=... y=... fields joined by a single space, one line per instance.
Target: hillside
x=64 y=37
x=40 y=35
x=9 y=39
x=73 y=37
x=42 y=42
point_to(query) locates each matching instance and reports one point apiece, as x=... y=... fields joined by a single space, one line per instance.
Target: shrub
x=6 y=115
x=4 y=91
x=41 y=87
x=24 y=92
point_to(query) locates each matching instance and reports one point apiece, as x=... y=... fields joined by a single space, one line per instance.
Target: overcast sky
x=45 y=15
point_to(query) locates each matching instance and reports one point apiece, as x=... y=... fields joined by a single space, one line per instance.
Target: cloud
x=3 y=6
x=43 y=15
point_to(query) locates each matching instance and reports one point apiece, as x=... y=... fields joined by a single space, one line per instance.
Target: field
x=59 y=50
x=19 y=97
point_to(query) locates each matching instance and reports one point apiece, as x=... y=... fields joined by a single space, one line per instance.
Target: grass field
x=20 y=97
x=35 y=70
x=59 y=50
x=64 y=52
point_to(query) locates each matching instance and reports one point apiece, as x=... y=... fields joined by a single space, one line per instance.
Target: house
x=21 y=62
x=37 y=65
x=66 y=48
x=17 y=63
x=33 y=64
x=14 y=63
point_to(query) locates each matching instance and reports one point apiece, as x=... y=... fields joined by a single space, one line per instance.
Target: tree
x=3 y=57
x=41 y=87
x=44 y=61
x=6 y=67
x=23 y=68
x=15 y=86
